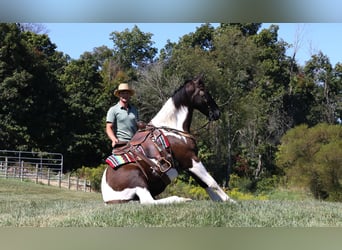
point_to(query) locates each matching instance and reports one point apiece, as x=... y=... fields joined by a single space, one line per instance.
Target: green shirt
x=124 y=121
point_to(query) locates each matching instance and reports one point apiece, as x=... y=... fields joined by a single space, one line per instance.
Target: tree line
x=50 y=102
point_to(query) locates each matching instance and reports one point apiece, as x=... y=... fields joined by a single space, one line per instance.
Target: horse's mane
x=181 y=87
x=178 y=93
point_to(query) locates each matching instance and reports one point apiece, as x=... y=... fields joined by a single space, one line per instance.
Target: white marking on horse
x=170 y=116
x=108 y=194
x=214 y=191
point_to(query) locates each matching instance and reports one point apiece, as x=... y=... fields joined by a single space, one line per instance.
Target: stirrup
x=164 y=165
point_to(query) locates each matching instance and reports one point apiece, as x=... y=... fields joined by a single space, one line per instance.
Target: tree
x=37 y=28
x=247 y=29
x=155 y=87
x=84 y=137
x=133 y=48
x=202 y=38
x=337 y=81
x=327 y=88
x=235 y=56
x=30 y=100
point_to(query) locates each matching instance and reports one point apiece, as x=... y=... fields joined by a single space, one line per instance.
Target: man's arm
x=110 y=133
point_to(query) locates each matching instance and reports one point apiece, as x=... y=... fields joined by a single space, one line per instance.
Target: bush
x=94 y=175
x=237 y=195
x=267 y=185
x=311 y=158
x=185 y=189
x=243 y=184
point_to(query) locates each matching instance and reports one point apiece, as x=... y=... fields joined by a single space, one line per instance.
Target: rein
x=180 y=132
x=176 y=131
x=203 y=126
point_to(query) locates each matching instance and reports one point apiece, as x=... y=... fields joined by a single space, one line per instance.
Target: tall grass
x=25 y=204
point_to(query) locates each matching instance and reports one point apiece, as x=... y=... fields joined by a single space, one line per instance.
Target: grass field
x=25 y=204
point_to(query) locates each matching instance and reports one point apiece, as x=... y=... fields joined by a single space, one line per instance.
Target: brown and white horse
x=140 y=181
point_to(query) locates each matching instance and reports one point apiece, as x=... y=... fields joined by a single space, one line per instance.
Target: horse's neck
x=172 y=117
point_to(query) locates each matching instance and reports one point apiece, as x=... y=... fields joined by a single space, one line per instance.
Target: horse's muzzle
x=214 y=115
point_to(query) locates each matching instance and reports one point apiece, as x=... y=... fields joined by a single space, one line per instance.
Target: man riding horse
x=154 y=156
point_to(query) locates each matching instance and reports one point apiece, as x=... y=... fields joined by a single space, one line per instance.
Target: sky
x=76 y=38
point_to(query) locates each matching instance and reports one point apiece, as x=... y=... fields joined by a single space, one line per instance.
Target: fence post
x=6 y=167
x=21 y=170
x=37 y=173
x=59 y=179
x=69 y=181
x=48 y=176
x=77 y=180
x=85 y=185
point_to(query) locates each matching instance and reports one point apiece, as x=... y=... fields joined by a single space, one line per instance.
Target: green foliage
x=240 y=183
x=242 y=196
x=238 y=190
x=30 y=95
x=84 y=138
x=94 y=175
x=267 y=185
x=311 y=157
x=133 y=48
x=186 y=189
x=258 y=188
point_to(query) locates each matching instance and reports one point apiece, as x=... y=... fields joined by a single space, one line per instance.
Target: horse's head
x=178 y=110
x=201 y=99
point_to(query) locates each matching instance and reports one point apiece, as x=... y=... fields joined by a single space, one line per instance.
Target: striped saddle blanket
x=119 y=159
x=116 y=160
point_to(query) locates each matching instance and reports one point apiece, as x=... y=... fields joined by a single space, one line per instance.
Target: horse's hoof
x=232 y=201
x=180 y=199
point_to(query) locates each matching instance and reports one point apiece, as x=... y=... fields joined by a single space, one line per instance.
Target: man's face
x=125 y=96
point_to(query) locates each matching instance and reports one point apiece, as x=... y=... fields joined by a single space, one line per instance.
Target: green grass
x=25 y=204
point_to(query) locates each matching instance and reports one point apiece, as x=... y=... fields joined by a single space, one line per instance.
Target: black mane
x=181 y=86
x=179 y=94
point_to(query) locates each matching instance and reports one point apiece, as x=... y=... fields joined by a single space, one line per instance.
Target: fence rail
x=45 y=168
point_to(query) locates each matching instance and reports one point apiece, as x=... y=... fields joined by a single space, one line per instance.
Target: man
x=121 y=120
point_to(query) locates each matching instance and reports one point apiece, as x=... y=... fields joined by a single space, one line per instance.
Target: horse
x=153 y=166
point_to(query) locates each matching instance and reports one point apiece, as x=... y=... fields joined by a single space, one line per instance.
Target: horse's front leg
x=145 y=197
x=214 y=191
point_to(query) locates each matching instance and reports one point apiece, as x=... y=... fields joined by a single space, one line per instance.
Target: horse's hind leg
x=214 y=191
x=111 y=196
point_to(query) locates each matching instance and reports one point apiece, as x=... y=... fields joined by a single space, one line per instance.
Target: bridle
x=199 y=91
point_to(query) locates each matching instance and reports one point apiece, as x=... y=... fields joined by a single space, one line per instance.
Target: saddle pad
x=117 y=160
x=163 y=141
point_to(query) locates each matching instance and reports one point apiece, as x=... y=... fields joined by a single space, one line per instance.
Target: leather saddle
x=149 y=143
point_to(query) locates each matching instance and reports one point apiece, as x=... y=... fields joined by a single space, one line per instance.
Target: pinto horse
x=150 y=171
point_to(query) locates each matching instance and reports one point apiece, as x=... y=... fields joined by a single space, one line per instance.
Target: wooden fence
x=47 y=170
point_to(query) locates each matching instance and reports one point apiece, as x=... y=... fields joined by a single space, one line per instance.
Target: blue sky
x=76 y=38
